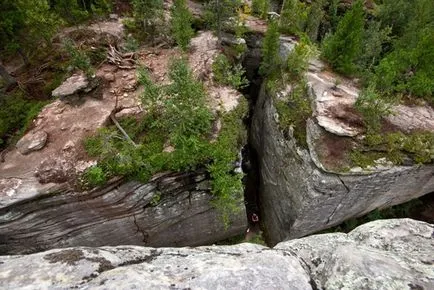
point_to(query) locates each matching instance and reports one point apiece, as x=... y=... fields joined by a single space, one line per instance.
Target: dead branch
x=112 y=117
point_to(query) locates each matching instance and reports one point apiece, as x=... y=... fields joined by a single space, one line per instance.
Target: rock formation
x=385 y=254
x=301 y=192
x=41 y=206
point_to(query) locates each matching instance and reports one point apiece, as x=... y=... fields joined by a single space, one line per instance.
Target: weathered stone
x=170 y=210
x=71 y=86
x=385 y=254
x=54 y=170
x=32 y=141
x=110 y=77
x=305 y=198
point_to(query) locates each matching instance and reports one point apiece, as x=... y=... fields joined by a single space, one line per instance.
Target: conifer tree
x=146 y=13
x=342 y=48
x=181 y=19
x=293 y=16
x=219 y=13
x=314 y=19
x=270 y=50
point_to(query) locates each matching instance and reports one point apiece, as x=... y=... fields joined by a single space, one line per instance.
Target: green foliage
x=408 y=68
x=79 y=59
x=419 y=146
x=270 y=50
x=260 y=8
x=298 y=61
x=16 y=115
x=314 y=19
x=147 y=13
x=226 y=74
x=395 y=14
x=374 y=38
x=220 y=13
x=93 y=176
x=131 y=44
x=342 y=48
x=398 y=211
x=294 y=110
x=293 y=17
x=373 y=108
x=177 y=116
x=24 y=24
x=181 y=20
x=156 y=199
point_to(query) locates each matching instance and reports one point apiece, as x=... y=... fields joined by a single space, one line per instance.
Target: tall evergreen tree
x=408 y=68
x=219 y=13
x=342 y=48
x=181 y=19
x=270 y=50
x=314 y=19
x=293 y=16
x=146 y=13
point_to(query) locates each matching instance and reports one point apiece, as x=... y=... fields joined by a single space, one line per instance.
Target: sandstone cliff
x=302 y=190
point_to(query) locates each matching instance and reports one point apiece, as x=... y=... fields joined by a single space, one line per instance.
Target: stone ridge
x=385 y=254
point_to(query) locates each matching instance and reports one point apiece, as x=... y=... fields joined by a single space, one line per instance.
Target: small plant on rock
x=226 y=74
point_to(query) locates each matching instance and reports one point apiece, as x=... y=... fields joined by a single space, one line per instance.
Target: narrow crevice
x=250 y=164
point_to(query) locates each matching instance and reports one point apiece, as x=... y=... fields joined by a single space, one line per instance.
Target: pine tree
x=342 y=48
x=219 y=12
x=181 y=19
x=146 y=13
x=260 y=8
x=270 y=50
x=314 y=19
x=293 y=17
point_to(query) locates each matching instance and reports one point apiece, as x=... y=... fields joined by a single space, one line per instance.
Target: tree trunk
x=10 y=81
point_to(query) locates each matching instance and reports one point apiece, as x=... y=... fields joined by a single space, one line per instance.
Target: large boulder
x=32 y=141
x=388 y=254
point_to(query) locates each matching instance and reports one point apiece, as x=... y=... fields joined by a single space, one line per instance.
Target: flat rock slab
x=31 y=142
x=385 y=254
x=71 y=86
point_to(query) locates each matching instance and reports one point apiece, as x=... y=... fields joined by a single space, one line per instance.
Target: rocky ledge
x=385 y=254
x=306 y=188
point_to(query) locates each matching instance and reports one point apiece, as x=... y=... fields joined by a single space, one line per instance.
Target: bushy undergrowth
x=16 y=115
x=227 y=74
x=178 y=118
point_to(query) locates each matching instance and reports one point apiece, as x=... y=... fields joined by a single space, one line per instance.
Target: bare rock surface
x=72 y=85
x=32 y=142
x=173 y=209
x=386 y=254
x=305 y=197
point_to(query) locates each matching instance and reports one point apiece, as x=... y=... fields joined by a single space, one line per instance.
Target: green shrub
x=260 y=8
x=293 y=17
x=177 y=115
x=373 y=108
x=79 y=59
x=270 y=62
x=342 y=48
x=94 y=176
x=226 y=74
x=181 y=20
x=16 y=115
x=294 y=110
x=297 y=62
